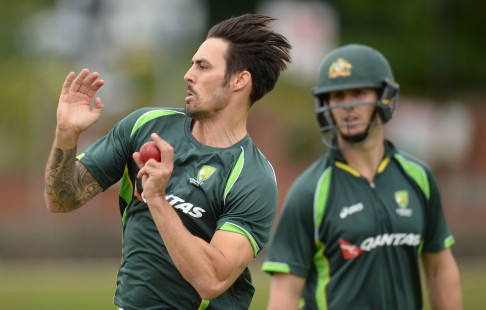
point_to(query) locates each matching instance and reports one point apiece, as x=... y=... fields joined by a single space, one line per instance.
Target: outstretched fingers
x=78 y=81
x=67 y=83
x=83 y=83
x=93 y=88
x=85 y=86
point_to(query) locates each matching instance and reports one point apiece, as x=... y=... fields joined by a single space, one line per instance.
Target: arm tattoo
x=69 y=185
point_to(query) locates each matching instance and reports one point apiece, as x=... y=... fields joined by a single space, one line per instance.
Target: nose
x=189 y=77
x=344 y=102
x=348 y=98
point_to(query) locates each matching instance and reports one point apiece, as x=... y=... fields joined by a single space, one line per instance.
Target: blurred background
x=142 y=50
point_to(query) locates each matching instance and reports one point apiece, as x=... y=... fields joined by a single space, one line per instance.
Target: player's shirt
x=232 y=189
x=358 y=244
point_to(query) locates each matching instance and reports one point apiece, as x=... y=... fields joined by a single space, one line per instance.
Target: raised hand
x=74 y=112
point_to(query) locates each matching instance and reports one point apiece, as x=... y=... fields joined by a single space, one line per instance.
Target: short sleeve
x=437 y=235
x=107 y=158
x=292 y=245
x=251 y=202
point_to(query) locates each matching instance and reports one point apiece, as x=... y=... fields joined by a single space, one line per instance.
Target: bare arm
x=218 y=263
x=211 y=268
x=443 y=280
x=68 y=185
x=285 y=291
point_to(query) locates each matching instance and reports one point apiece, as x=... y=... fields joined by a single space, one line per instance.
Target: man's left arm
x=211 y=268
x=443 y=280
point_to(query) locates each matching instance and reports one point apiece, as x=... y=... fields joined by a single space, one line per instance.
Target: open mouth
x=352 y=122
x=189 y=95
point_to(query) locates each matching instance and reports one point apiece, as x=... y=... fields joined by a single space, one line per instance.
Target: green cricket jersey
x=358 y=244
x=232 y=189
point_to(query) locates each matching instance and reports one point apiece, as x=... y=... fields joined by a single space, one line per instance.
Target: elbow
x=50 y=206
x=54 y=209
x=53 y=206
x=209 y=291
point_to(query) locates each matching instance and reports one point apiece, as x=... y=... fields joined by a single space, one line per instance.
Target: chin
x=351 y=132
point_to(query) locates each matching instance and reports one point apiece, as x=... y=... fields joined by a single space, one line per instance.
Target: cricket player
x=357 y=224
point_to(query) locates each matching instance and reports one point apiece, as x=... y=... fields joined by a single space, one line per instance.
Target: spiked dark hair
x=253 y=47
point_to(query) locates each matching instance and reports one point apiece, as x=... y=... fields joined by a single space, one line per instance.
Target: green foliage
x=29 y=90
x=12 y=15
x=435 y=48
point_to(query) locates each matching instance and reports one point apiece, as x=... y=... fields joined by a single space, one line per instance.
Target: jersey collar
x=341 y=163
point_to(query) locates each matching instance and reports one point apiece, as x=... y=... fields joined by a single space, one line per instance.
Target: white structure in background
x=312 y=27
x=434 y=133
x=98 y=33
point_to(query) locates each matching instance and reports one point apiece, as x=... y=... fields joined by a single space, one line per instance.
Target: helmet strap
x=361 y=137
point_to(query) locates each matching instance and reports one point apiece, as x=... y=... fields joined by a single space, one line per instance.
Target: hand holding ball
x=150 y=150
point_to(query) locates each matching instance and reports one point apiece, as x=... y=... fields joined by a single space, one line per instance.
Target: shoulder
x=313 y=175
x=411 y=163
x=419 y=171
x=255 y=161
x=142 y=116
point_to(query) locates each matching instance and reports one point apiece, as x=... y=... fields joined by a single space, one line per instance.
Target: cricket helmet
x=350 y=67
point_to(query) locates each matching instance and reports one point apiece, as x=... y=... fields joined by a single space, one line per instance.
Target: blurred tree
x=221 y=9
x=434 y=46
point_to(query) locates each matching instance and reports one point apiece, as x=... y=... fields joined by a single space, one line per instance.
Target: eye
x=337 y=96
x=201 y=64
x=358 y=92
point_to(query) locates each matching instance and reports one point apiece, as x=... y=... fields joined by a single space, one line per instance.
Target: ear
x=241 y=80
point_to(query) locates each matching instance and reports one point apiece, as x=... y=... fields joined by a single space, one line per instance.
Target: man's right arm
x=68 y=184
x=285 y=291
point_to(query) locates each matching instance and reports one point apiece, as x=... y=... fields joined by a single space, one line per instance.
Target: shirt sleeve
x=292 y=246
x=107 y=158
x=251 y=202
x=437 y=235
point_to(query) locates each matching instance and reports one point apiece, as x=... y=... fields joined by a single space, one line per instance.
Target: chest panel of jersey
x=360 y=214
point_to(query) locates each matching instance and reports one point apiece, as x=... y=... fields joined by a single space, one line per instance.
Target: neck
x=223 y=132
x=365 y=157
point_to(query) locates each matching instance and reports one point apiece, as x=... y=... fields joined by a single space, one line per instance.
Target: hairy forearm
x=209 y=276
x=68 y=185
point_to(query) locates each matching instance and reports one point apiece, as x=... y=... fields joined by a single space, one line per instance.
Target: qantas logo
x=178 y=203
x=351 y=251
x=186 y=207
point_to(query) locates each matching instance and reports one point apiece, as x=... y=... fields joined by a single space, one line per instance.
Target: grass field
x=81 y=285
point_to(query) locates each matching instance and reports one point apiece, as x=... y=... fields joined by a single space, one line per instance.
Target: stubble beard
x=200 y=110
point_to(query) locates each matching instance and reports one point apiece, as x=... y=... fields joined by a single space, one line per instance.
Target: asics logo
x=345 y=211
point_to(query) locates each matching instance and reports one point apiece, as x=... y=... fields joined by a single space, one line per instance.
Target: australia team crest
x=204 y=174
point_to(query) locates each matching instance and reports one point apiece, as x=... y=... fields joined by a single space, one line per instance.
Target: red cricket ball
x=149 y=150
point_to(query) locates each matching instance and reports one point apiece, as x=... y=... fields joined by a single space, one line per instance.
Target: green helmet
x=350 y=67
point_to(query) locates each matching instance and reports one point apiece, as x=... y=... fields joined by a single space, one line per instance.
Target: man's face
x=353 y=109
x=206 y=90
